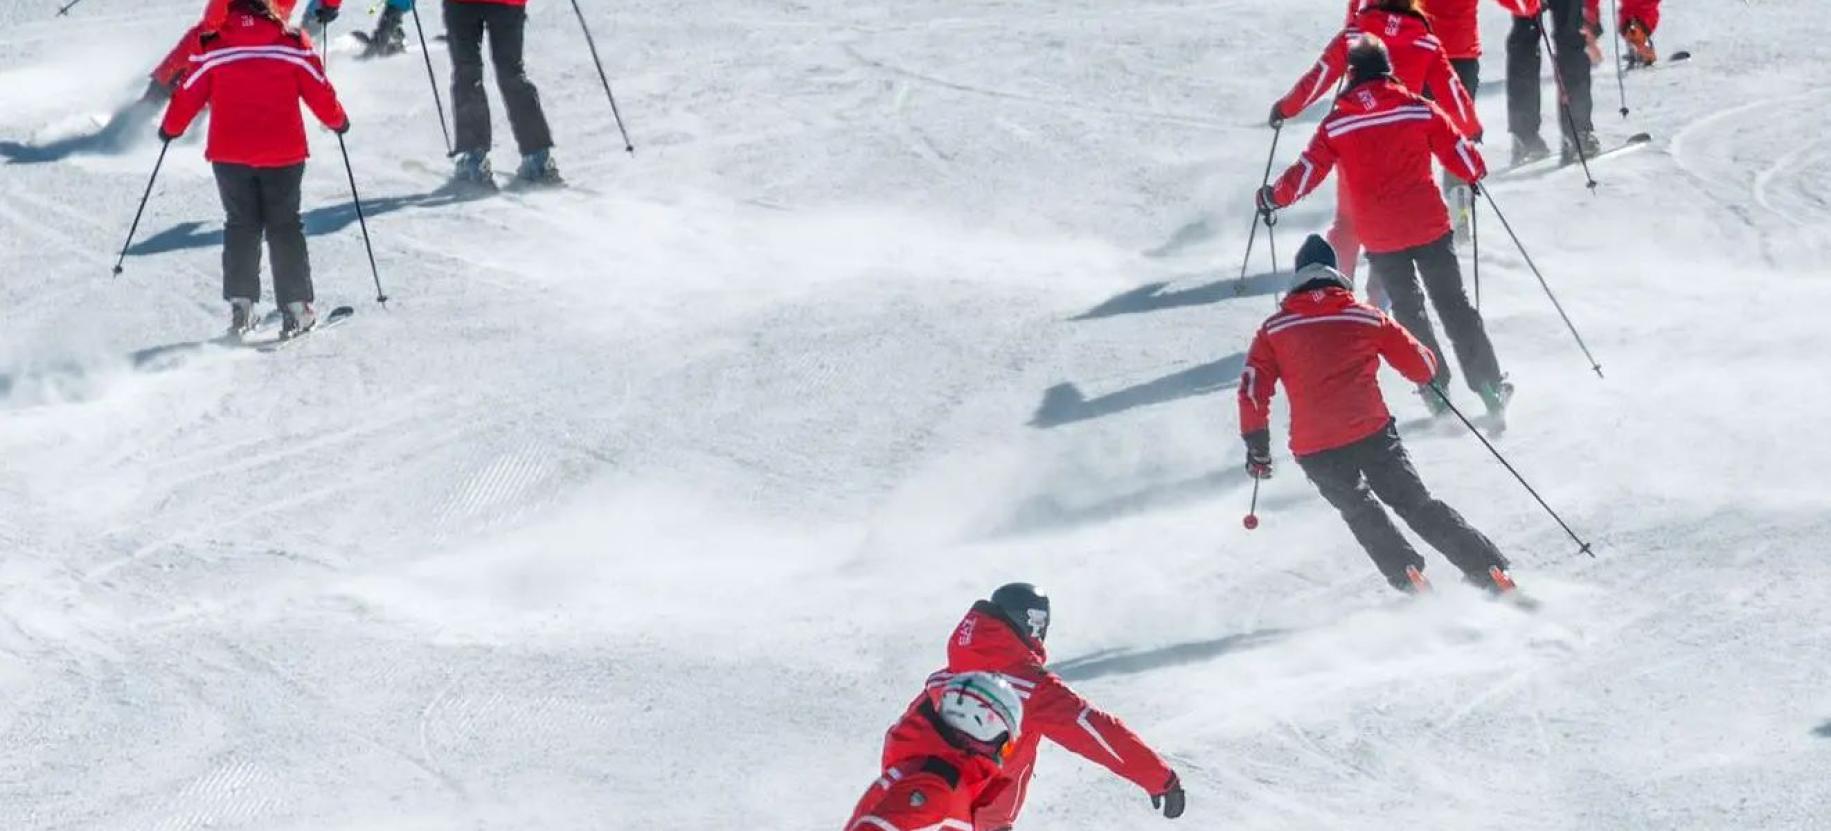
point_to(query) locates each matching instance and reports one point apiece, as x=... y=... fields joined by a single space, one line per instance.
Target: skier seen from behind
x=1004 y=634
x=943 y=761
x=1383 y=136
x=1421 y=64
x=252 y=75
x=1573 y=28
x=505 y=21
x=1326 y=349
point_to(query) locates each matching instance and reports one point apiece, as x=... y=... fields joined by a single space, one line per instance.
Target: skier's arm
x=187 y=101
x=1315 y=83
x=316 y=89
x=1445 y=86
x=1521 y=8
x=1458 y=155
x=1070 y=721
x=1311 y=168
x=1258 y=384
x=1405 y=353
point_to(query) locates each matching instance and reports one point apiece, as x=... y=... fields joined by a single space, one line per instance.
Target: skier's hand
x=1259 y=454
x=1277 y=117
x=1265 y=201
x=344 y=128
x=324 y=13
x=1592 y=48
x=166 y=137
x=1171 y=800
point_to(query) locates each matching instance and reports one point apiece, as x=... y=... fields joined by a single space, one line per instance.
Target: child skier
x=252 y=74
x=1383 y=137
x=943 y=761
x=1326 y=349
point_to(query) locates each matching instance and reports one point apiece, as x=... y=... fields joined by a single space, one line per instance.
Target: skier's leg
x=1396 y=270
x=292 y=268
x=1462 y=324
x=1523 y=77
x=1573 y=63
x=470 y=106
x=1337 y=475
x=240 y=194
x=1391 y=475
x=1468 y=71
x=508 y=24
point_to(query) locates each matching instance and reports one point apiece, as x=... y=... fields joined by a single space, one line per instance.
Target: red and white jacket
x=1645 y=11
x=253 y=75
x=1326 y=348
x=1383 y=136
x=986 y=642
x=1418 y=61
x=927 y=784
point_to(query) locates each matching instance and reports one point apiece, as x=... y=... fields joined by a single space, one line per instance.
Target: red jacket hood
x=1319 y=301
x=986 y=642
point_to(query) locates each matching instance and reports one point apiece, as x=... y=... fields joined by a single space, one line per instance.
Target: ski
x=1678 y=58
x=334 y=318
x=1547 y=166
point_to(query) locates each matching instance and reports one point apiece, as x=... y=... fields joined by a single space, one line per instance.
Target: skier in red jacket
x=1004 y=635
x=1421 y=65
x=253 y=74
x=1383 y=136
x=1326 y=349
x=943 y=760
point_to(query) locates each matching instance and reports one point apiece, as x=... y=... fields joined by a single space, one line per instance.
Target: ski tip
x=1680 y=55
x=1640 y=138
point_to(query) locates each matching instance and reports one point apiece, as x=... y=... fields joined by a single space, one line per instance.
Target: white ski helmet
x=983 y=710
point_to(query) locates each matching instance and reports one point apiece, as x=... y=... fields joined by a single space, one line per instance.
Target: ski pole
x=1570 y=118
x=1621 y=84
x=1582 y=546
x=324 y=35
x=1252 y=514
x=356 y=199
x=1239 y=286
x=593 y=46
x=1594 y=365
x=131 y=229
x=65 y=11
x=432 y=79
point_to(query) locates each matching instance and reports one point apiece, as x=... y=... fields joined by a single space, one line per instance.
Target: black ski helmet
x=1026 y=607
x=1368 y=59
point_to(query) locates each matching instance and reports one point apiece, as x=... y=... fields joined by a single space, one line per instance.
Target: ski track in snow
x=675 y=481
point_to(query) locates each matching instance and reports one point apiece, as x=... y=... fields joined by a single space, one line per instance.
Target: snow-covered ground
x=648 y=504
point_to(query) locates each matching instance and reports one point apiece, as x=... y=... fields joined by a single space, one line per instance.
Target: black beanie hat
x=1368 y=59
x=1315 y=250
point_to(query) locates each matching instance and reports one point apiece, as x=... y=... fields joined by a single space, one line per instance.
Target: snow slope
x=647 y=504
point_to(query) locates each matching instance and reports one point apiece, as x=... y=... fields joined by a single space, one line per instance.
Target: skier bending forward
x=1326 y=348
x=943 y=761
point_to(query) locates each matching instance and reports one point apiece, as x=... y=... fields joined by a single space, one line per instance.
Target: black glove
x=1265 y=203
x=343 y=129
x=166 y=137
x=1259 y=454
x=1277 y=118
x=1474 y=188
x=324 y=13
x=1171 y=800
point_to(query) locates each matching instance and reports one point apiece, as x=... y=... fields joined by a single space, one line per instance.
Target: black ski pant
x=263 y=202
x=1523 y=48
x=1434 y=265
x=1350 y=477
x=466 y=21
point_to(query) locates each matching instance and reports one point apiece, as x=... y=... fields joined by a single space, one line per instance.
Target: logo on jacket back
x=1039 y=622
x=1392 y=25
x=1366 y=98
x=964 y=636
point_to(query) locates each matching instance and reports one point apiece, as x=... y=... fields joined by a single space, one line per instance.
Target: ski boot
x=296 y=318
x=1413 y=581
x=1500 y=586
x=473 y=171
x=1640 y=45
x=388 y=38
x=538 y=170
x=1585 y=146
x=241 y=317
x=1496 y=396
x=1529 y=149
x=1432 y=401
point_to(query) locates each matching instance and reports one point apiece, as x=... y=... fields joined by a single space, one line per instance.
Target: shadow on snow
x=1065 y=403
x=1151 y=297
x=1124 y=662
x=318 y=221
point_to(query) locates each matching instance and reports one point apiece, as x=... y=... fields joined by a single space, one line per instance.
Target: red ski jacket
x=986 y=642
x=1383 y=136
x=928 y=784
x=1326 y=348
x=253 y=75
x=1418 y=61
x=1645 y=11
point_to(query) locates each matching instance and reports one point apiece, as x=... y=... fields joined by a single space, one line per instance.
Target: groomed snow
x=648 y=504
